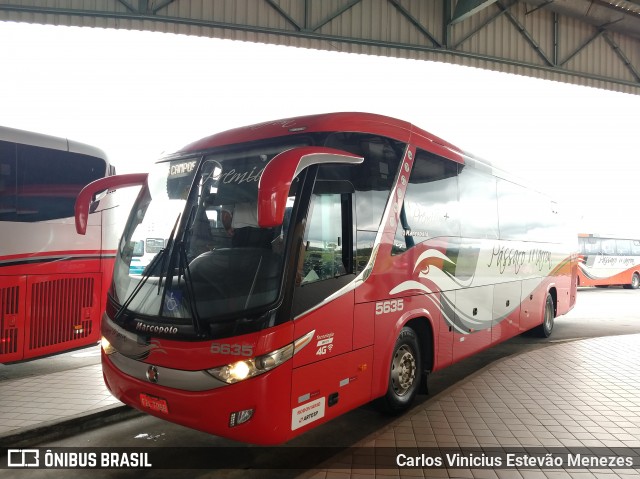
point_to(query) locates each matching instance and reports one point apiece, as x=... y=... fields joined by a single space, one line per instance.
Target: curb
x=69 y=426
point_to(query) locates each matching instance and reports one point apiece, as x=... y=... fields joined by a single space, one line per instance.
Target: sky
x=138 y=95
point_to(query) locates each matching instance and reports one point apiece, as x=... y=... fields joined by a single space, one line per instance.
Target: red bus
x=606 y=260
x=314 y=264
x=53 y=282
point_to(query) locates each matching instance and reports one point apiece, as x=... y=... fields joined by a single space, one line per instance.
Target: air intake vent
x=9 y=300
x=60 y=311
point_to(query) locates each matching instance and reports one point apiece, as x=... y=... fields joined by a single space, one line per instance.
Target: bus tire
x=635 y=282
x=546 y=328
x=405 y=372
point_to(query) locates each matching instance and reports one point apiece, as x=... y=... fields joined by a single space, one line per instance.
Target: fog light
x=240 y=417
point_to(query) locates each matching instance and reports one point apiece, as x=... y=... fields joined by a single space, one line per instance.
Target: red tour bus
x=52 y=289
x=315 y=264
x=606 y=260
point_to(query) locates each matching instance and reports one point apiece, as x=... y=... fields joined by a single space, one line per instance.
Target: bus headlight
x=106 y=346
x=248 y=368
x=240 y=370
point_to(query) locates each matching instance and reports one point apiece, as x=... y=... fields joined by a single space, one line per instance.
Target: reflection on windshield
x=220 y=261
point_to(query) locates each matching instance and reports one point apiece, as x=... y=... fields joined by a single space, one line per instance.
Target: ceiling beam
x=468 y=8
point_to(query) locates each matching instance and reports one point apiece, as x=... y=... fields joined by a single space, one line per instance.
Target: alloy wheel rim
x=403 y=371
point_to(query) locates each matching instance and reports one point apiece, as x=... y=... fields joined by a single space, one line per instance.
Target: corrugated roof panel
x=489 y=39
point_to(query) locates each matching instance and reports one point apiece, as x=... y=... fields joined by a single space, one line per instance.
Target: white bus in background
x=608 y=260
x=52 y=281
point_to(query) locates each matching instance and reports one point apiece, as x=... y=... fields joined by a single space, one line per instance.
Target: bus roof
x=346 y=121
x=343 y=121
x=607 y=236
x=25 y=137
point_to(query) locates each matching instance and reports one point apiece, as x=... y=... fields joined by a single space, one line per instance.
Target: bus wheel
x=635 y=282
x=545 y=329
x=405 y=372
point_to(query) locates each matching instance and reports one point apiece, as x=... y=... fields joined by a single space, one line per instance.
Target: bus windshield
x=212 y=259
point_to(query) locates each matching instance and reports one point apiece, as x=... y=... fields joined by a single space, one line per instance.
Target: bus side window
x=591 y=246
x=326 y=261
x=608 y=247
x=478 y=204
x=372 y=181
x=430 y=207
x=323 y=240
x=7 y=181
x=623 y=247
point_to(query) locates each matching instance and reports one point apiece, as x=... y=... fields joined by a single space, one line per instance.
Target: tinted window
x=430 y=206
x=513 y=210
x=372 y=181
x=323 y=240
x=38 y=184
x=478 y=204
x=589 y=245
x=623 y=247
x=7 y=180
x=326 y=261
x=527 y=215
x=608 y=246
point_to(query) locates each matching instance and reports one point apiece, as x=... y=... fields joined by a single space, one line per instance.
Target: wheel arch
x=424 y=329
x=422 y=324
x=554 y=296
x=635 y=277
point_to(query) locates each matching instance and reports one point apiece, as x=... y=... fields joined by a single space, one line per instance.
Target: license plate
x=154 y=403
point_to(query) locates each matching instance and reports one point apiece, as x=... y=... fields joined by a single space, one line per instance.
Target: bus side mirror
x=83 y=201
x=275 y=181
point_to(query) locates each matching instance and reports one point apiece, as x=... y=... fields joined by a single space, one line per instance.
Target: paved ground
x=579 y=397
x=54 y=398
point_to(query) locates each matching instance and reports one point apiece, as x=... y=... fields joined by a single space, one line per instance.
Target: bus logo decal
x=147 y=328
x=153 y=374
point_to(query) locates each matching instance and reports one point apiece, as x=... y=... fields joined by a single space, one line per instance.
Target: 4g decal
x=324 y=344
x=390 y=306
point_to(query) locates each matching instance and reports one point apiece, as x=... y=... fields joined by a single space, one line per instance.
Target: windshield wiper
x=147 y=273
x=149 y=270
x=172 y=262
x=183 y=270
x=168 y=247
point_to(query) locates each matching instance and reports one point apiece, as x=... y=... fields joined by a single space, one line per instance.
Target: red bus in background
x=606 y=260
x=314 y=264
x=52 y=280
